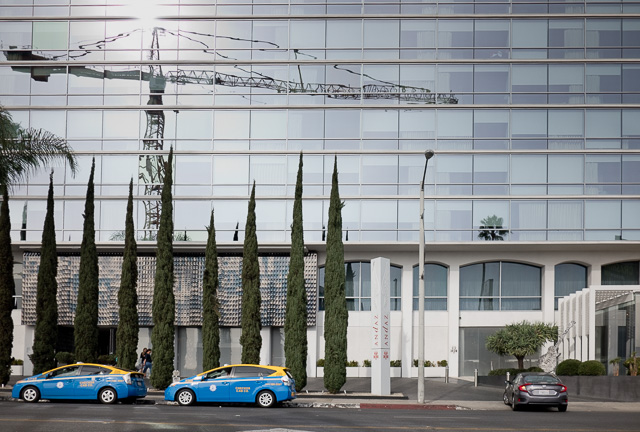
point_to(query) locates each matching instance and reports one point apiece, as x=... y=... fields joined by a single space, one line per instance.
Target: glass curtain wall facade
x=532 y=109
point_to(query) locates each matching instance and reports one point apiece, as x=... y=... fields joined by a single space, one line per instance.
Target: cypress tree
x=46 y=331
x=86 y=321
x=127 y=333
x=210 y=304
x=7 y=289
x=295 y=325
x=336 y=315
x=251 y=340
x=163 y=308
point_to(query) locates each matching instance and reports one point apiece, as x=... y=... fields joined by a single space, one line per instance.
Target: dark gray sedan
x=536 y=388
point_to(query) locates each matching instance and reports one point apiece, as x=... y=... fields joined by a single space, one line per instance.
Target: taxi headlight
x=127 y=378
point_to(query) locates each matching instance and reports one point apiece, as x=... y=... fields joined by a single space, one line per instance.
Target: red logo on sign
x=385 y=354
x=375 y=355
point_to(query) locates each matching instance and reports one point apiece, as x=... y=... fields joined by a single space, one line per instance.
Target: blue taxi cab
x=88 y=381
x=262 y=385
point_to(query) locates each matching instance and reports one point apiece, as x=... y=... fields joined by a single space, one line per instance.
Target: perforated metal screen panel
x=188 y=271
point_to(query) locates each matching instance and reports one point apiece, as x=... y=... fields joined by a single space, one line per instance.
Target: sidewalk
x=457 y=394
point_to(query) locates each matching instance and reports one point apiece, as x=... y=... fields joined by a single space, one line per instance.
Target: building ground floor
x=471 y=291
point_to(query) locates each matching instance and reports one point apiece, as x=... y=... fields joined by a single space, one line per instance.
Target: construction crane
x=152 y=166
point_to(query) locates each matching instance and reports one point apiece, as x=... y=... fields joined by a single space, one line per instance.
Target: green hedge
x=513 y=372
x=592 y=368
x=569 y=367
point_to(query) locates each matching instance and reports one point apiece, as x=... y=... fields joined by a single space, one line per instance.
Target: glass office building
x=532 y=109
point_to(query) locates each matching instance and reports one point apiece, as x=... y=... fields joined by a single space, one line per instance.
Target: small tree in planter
x=616 y=365
x=521 y=339
x=632 y=364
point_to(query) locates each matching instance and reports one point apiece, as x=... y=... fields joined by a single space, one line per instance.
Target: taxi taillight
x=286 y=380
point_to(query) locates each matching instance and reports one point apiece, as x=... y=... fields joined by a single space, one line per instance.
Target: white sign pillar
x=380 y=326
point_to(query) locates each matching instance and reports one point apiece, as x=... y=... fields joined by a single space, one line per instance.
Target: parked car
x=536 y=388
x=88 y=381
x=263 y=385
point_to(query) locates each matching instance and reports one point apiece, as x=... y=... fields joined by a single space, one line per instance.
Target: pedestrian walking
x=140 y=362
x=148 y=363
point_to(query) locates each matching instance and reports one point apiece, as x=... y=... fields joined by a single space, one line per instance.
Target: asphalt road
x=85 y=417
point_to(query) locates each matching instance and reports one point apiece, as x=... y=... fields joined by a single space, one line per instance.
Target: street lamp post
x=428 y=155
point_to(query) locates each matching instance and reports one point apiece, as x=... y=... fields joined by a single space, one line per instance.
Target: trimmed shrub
x=503 y=372
x=107 y=359
x=320 y=362
x=395 y=363
x=65 y=357
x=569 y=367
x=592 y=368
x=366 y=363
x=443 y=363
x=352 y=363
x=535 y=369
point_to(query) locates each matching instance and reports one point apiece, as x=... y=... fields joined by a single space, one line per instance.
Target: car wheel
x=107 y=395
x=514 y=407
x=562 y=408
x=505 y=398
x=265 y=399
x=30 y=394
x=185 y=397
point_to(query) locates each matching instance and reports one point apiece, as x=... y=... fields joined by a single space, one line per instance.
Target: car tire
x=30 y=394
x=562 y=408
x=514 y=407
x=108 y=395
x=505 y=398
x=185 y=397
x=265 y=399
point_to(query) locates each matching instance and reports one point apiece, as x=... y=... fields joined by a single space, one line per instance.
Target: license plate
x=544 y=392
x=139 y=384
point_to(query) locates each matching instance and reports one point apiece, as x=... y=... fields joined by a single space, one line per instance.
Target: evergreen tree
x=86 y=321
x=295 y=325
x=46 y=331
x=7 y=289
x=336 y=315
x=127 y=333
x=210 y=304
x=164 y=302
x=251 y=340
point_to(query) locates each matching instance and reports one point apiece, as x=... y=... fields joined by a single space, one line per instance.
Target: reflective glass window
x=529 y=78
x=603 y=78
x=565 y=215
x=490 y=169
x=453 y=168
x=604 y=33
x=307 y=34
x=453 y=215
x=623 y=273
x=566 y=123
x=417 y=124
x=344 y=33
x=417 y=33
x=50 y=35
x=455 y=34
x=492 y=33
x=528 y=169
x=602 y=169
x=491 y=124
x=120 y=169
x=602 y=214
x=529 y=33
x=381 y=33
x=566 y=169
x=566 y=33
x=193 y=169
x=528 y=215
x=569 y=278
x=603 y=123
x=455 y=123
x=231 y=125
x=566 y=78
x=342 y=124
x=435 y=287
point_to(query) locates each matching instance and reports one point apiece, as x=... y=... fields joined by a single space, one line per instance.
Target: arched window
x=435 y=287
x=569 y=278
x=623 y=273
x=500 y=286
x=358 y=286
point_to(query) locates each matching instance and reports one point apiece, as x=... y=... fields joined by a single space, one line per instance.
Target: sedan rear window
x=248 y=371
x=541 y=379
